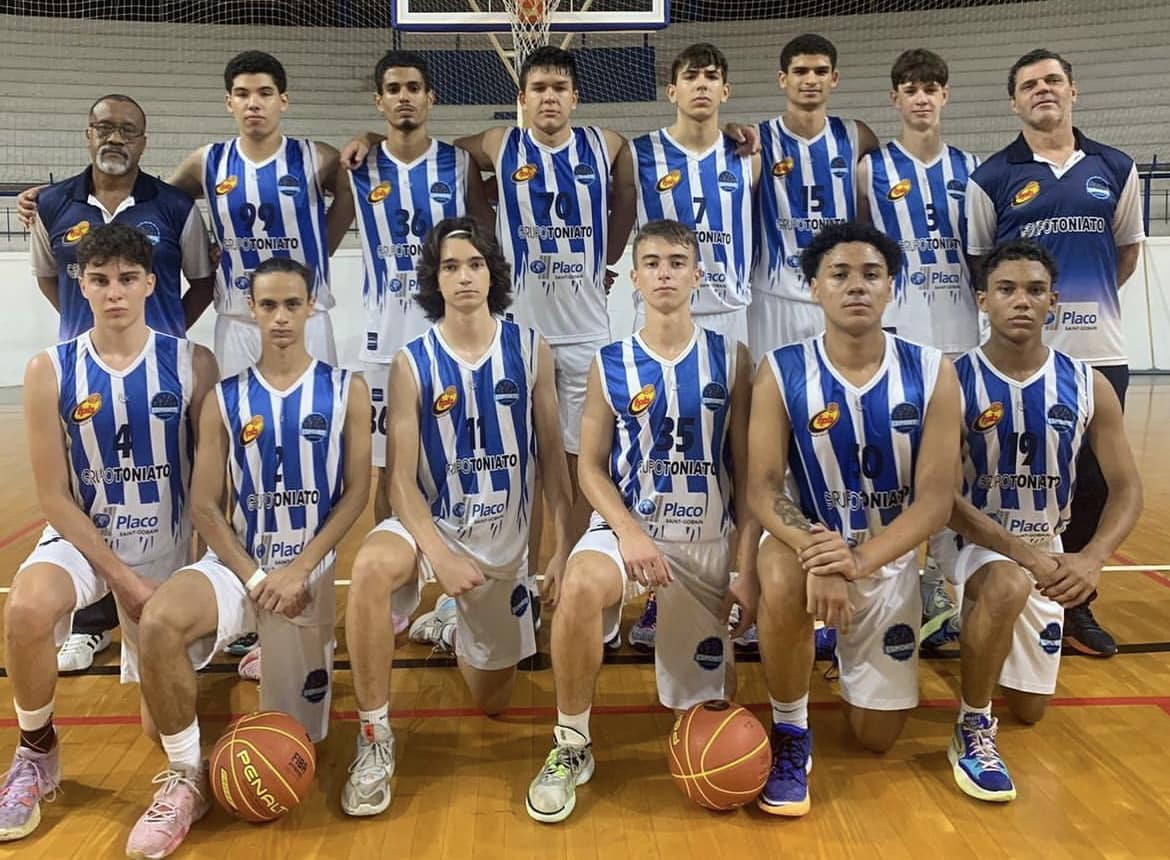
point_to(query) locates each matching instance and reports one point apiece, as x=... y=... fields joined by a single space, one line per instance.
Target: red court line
x=21 y=532
x=1152 y=575
x=1162 y=702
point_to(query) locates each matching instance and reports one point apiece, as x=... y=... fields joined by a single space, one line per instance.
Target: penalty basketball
x=262 y=766
x=719 y=755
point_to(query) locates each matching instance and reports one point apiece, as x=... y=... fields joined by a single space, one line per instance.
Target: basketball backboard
x=491 y=16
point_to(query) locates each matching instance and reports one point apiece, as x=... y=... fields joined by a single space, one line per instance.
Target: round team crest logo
x=714 y=395
x=782 y=167
x=524 y=172
x=227 y=186
x=905 y=418
x=641 y=401
x=792 y=261
x=459 y=509
x=1050 y=638
x=519 y=600
x=537 y=267
x=507 y=392
x=241 y=282
x=899 y=642
x=900 y=189
x=709 y=653
x=839 y=167
x=101 y=520
x=441 y=193
x=1097 y=187
x=76 y=233
x=956 y=189
x=670 y=180
x=1027 y=193
x=727 y=181
x=988 y=418
x=251 y=431
x=151 y=231
x=395 y=285
x=825 y=420
x=165 y=406
x=1062 y=419
x=289 y=185
x=315 y=427
x=584 y=174
x=87 y=408
x=447 y=399
x=379 y=192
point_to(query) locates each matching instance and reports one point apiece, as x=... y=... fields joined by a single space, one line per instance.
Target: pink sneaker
x=249 y=666
x=183 y=799
x=400 y=622
x=33 y=776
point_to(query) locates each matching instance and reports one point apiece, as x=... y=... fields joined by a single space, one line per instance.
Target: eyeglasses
x=105 y=130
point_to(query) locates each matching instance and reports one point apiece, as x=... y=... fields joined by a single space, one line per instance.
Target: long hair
x=429 y=297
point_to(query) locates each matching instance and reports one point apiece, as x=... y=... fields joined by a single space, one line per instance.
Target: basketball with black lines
x=719 y=755
x=262 y=766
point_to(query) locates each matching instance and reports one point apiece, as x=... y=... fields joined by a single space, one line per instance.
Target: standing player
x=914 y=189
x=809 y=163
x=475 y=417
x=665 y=418
x=690 y=173
x=1080 y=200
x=293 y=434
x=1028 y=411
x=868 y=425
x=108 y=419
x=404 y=186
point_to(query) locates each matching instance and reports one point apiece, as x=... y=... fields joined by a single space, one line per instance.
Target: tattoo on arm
x=790 y=513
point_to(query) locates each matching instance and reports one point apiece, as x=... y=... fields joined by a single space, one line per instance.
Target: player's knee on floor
x=1028 y=708
x=37 y=602
x=876 y=731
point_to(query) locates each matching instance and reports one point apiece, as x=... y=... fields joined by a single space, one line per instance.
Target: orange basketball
x=262 y=766
x=719 y=755
x=530 y=11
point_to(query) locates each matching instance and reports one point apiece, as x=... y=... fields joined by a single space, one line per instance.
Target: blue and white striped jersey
x=853 y=450
x=671 y=455
x=1022 y=440
x=711 y=193
x=477 y=443
x=129 y=443
x=922 y=207
x=552 y=222
x=287 y=457
x=397 y=204
x=272 y=209
x=805 y=185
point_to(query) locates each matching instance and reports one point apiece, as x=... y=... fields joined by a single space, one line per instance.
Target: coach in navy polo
x=1080 y=200
x=113 y=188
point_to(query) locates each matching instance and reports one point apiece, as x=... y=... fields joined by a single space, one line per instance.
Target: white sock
x=792 y=713
x=376 y=717
x=30 y=721
x=577 y=722
x=965 y=709
x=182 y=748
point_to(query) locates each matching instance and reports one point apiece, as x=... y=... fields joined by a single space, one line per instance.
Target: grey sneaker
x=367 y=792
x=430 y=627
x=553 y=794
x=33 y=776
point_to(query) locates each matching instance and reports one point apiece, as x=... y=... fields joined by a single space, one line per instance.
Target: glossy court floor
x=1093 y=776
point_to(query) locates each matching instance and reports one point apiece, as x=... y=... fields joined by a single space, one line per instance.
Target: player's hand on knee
x=748 y=137
x=133 y=594
x=550 y=586
x=283 y=591
x=827 y=554
x=457 y=574
x=645 y=563
x=828 y=601
x=354 y=153
x=1075 y=578
x=1045 y=568
x=26 y=204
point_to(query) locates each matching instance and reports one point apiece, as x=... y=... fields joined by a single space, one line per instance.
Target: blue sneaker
x=786 y=791
x=641 y=635
x=825 y=643
x=978 y=769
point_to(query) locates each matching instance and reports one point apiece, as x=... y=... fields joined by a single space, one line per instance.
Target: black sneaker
x=1082 y=633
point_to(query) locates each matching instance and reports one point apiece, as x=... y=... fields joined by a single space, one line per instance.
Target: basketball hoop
x=530 y=26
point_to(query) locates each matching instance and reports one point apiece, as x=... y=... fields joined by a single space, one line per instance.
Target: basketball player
x=665 y=417
x=867 y=423
x=293 y=434
x=475 y=418
x=1080 y=199
x=1028 y=411
x=809 y=162
x=109 y=426
x=404 y=186
x=914 y=190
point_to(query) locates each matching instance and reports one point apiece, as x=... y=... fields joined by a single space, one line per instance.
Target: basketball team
x=806 y=400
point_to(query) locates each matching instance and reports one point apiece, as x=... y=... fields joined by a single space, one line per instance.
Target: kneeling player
x=474 y=419
x=293 y=434
x=867 y=422
x=108 y=436
x=1027 y=413
x=665 y=416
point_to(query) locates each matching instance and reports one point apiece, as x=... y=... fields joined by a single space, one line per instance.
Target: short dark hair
x=809 y=44
x=698 y=56
x=282 y=265
x=430 y=298
x=255 y=63
x=549 y=57
x=669 y=231
x=1036 y=55
x=401 y=60
x=1016 y=249
x=115 y=241
x=919 y=66
x=850 y=231
x=118 y=97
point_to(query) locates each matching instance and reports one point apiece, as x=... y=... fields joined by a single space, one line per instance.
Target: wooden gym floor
x=1093 y=777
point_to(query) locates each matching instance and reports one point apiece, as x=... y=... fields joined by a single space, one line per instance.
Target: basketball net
x=530 y=26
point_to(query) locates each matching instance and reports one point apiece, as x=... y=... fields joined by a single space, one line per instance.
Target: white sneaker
x=552 y=795
x=367 y=791
x=429 y=627
x=77 y=652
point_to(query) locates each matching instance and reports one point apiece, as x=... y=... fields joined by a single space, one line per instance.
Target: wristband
x=255 y=579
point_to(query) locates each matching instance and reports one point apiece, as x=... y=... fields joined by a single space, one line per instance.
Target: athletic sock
x=36 y=727
x=182 y=748
x=577 y=722
x=965 y=709
x=793 y=713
